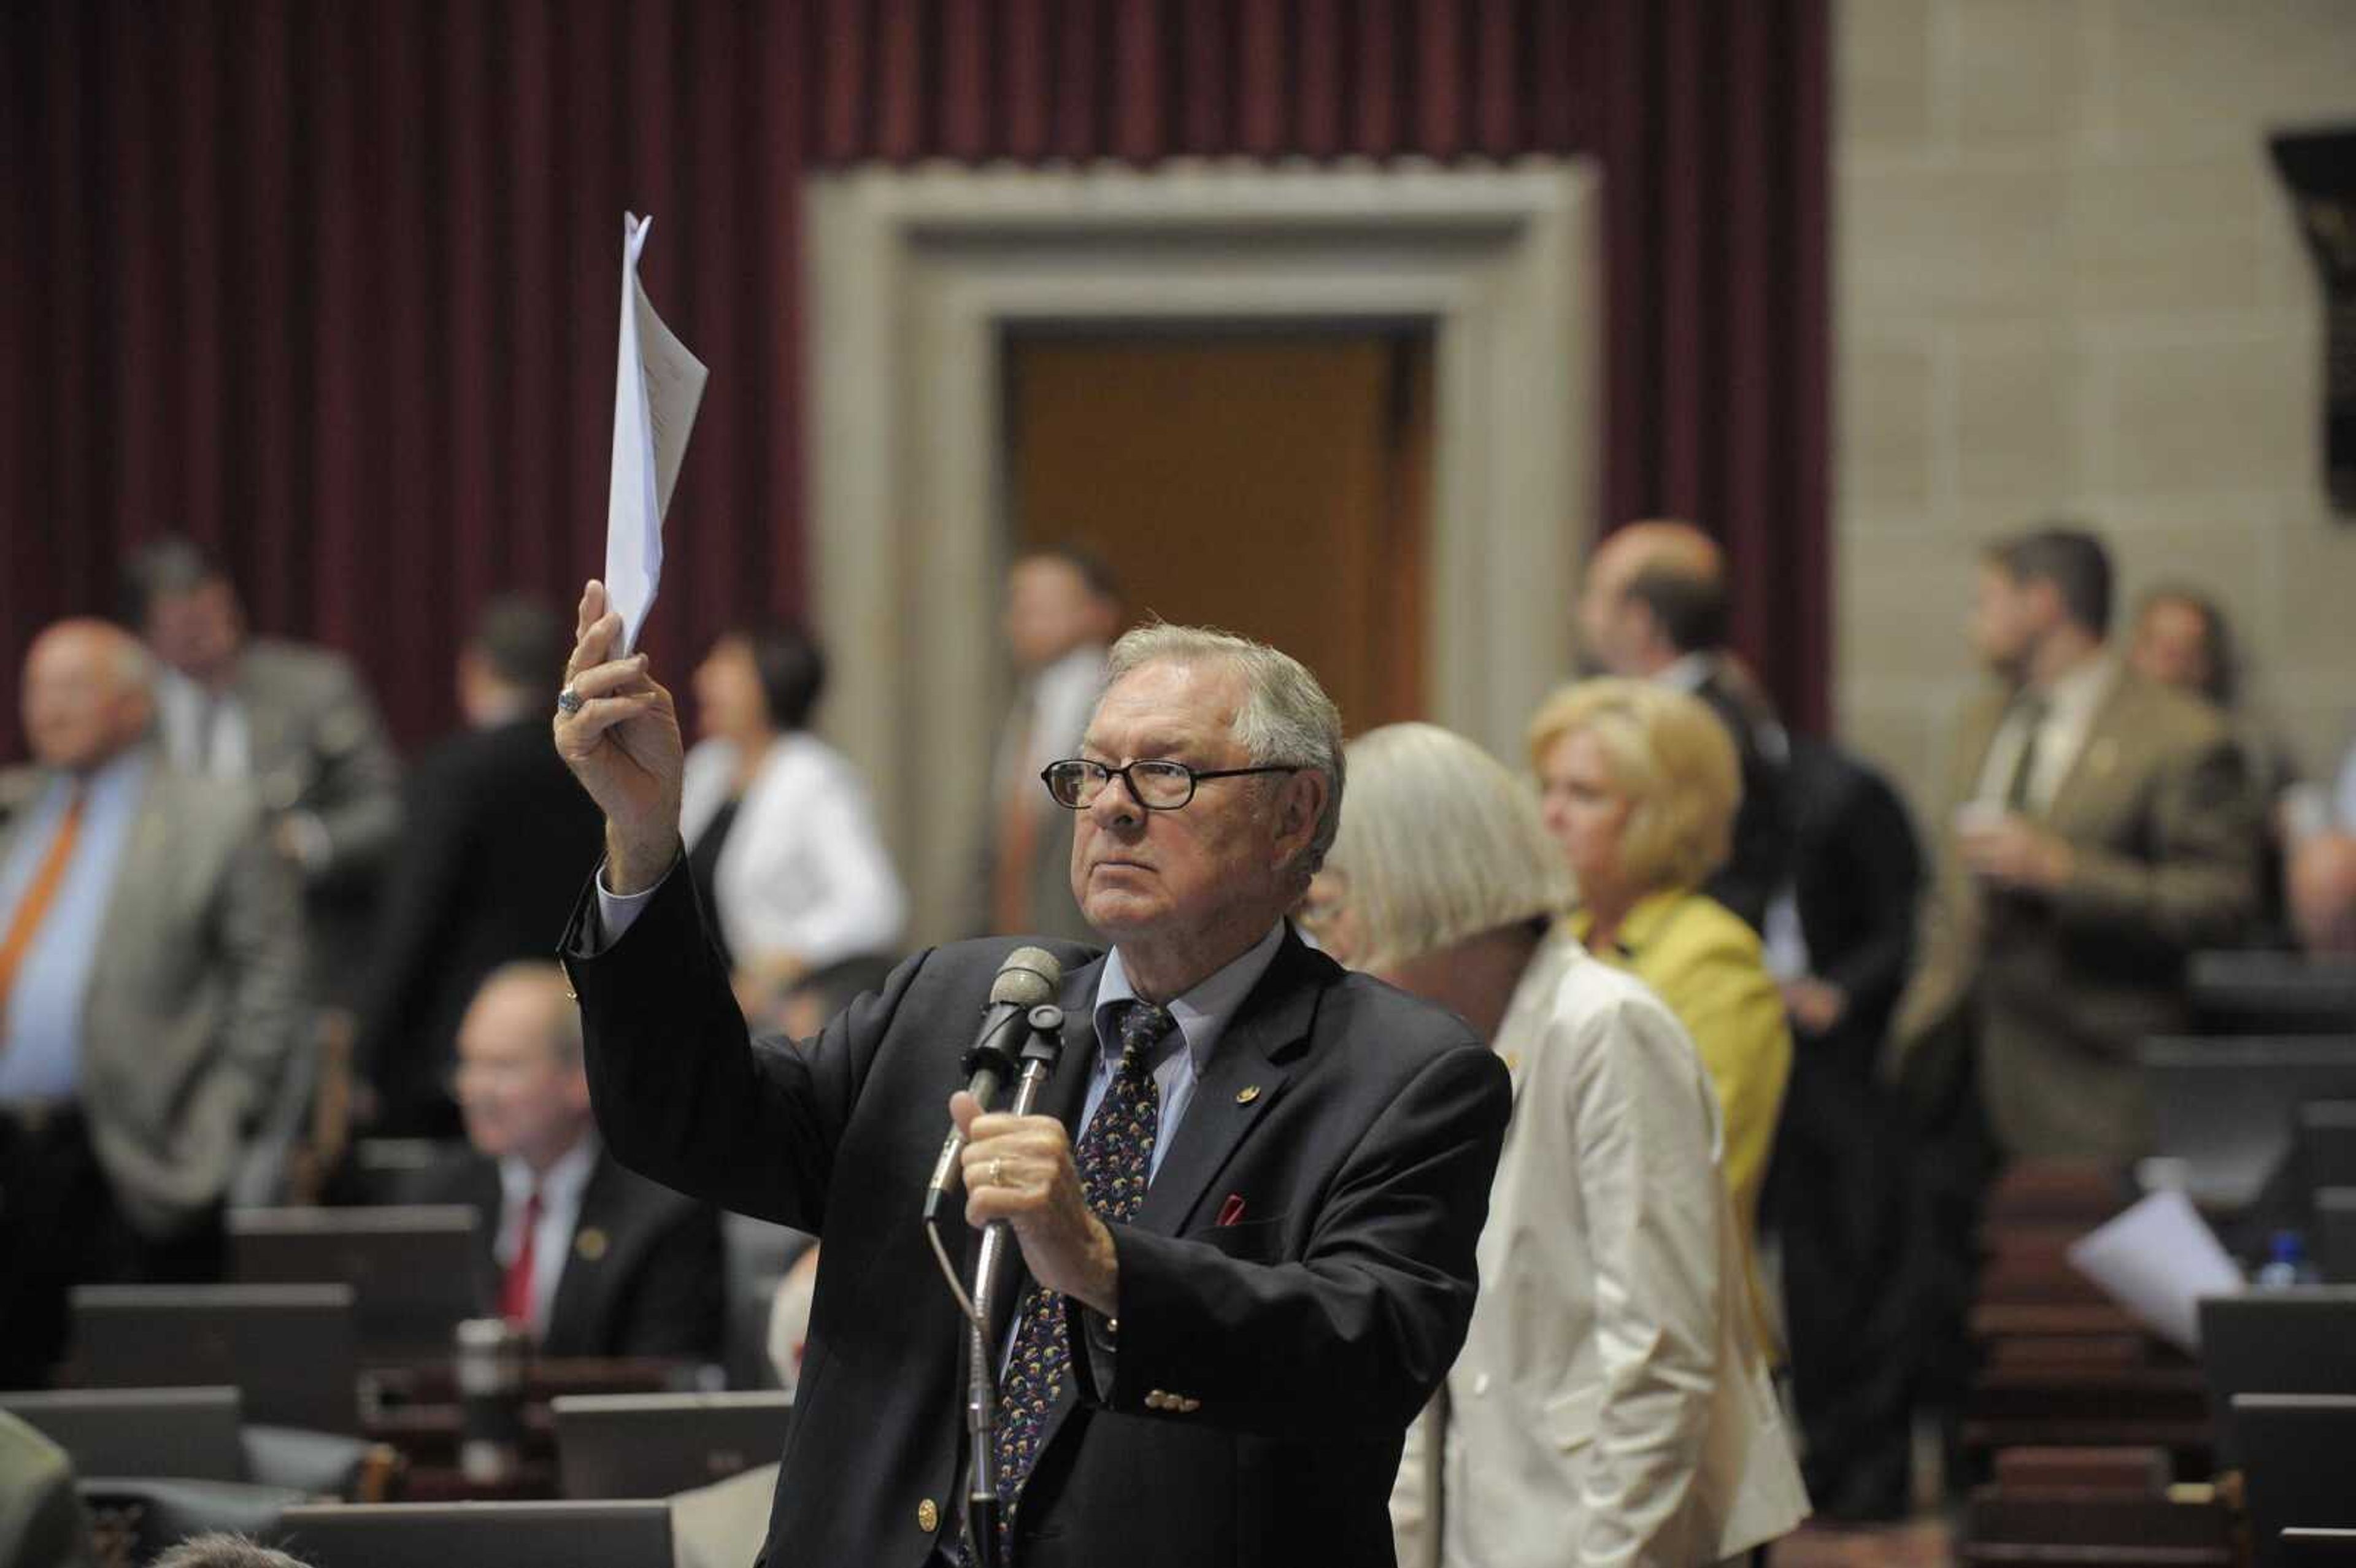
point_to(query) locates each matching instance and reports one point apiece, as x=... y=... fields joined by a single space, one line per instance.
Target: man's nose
x=1116 y=806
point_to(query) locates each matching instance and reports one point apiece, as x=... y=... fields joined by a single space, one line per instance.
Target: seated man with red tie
x=590 y=1259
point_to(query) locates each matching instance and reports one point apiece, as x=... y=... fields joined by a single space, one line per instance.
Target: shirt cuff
x=616 y=912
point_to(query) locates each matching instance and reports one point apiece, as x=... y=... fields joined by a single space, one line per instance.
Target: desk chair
x=2298 y=1466
x=291 y=1348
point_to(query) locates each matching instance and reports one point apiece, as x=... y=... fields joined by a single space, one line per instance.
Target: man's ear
x=1298 y=807
x=2045 y=601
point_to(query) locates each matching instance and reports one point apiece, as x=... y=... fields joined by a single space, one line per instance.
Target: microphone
x=1027 y=980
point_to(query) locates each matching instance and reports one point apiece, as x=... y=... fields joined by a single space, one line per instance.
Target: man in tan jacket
x=2099 y=828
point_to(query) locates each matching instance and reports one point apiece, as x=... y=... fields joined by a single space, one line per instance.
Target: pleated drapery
x=333 y=287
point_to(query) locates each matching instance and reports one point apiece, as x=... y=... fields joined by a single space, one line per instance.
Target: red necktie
x=39 y=893
x=515 y=1291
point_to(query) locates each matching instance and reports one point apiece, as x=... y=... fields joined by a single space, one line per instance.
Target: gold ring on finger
x=997 y=1173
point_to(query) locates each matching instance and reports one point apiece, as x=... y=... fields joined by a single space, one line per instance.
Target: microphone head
x=1028 y=978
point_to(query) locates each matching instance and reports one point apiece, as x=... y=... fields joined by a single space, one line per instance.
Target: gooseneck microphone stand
x=1042 y=1045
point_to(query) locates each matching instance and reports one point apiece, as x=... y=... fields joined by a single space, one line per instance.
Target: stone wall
x=2068 y=283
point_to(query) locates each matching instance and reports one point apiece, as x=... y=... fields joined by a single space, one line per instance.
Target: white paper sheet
x=2156 y=1261
x=658 y=387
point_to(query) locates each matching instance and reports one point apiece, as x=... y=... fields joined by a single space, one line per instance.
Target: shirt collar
x=122 y=775
x=1688 y=674
x=1202 y=1014
x=565 y=1180
x=1643 y=921
x=2076 y=693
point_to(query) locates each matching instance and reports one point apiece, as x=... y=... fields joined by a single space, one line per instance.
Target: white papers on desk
x=658 y=386
x=2156 y=1261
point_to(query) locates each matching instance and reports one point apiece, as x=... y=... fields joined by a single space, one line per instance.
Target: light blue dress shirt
x=1202 y=1016
x=40 y=1038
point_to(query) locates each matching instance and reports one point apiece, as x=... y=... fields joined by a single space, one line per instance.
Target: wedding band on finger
x=997 y=1173
x=568 y=701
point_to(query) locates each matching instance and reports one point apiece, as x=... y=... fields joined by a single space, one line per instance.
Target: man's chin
x=1116 y=915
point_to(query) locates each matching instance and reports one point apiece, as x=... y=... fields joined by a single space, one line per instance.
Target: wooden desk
x=414 y=1410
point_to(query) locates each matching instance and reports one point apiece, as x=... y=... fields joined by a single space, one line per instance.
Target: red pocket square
x=1232 y=1209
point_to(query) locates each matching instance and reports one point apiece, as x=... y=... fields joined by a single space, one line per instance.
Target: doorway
x=1275 y=482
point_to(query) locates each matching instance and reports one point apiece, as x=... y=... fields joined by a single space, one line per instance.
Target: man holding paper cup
x=2100 y=828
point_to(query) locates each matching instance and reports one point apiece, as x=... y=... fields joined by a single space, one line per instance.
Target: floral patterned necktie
x=1114 y=1157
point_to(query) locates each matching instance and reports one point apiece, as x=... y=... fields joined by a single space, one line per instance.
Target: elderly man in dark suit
x=1246 y=1212
x=589 y=1258
x=147 y=978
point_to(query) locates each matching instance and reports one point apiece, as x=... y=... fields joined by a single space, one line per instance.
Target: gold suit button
x=1189 y=1406
x=1156 y=1400
x=928 y=1516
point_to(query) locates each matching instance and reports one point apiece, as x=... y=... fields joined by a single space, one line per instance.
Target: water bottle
x=490 y=1401
x=2287 y=1264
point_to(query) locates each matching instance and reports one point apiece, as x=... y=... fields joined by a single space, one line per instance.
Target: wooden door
x=1277 y=485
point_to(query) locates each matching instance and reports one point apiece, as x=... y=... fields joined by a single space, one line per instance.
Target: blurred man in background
x=1654 y=608
x=590 y=1259
x=295 y=722
x=147 y=980
x=498 y=838
x=1062 y=610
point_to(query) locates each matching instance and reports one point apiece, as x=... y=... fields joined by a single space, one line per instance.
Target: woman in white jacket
x=779 y=829
x=1611 y=1405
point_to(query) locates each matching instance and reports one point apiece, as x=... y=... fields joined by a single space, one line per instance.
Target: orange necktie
x=39 y=893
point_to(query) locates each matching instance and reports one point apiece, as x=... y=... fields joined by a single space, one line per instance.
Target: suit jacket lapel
x=2097 y=755
x=265 y=726
x=1243 y=1078
x=580 y=1282
x=489 y=1200
x=1983 y=722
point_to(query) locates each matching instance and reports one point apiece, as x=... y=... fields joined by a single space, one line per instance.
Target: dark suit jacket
x=1358 y=1128
x=1857 y=876
x=641 y=1278
x=497 y=835
x=1759 y=861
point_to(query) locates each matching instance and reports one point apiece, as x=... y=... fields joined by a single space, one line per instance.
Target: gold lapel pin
x=590 y=1244
x=1246 y=1095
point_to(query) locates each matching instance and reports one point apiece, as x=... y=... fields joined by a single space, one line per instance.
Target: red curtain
x=333 y=287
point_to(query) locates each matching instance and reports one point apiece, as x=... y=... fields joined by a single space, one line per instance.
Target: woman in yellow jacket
x=1639 y=784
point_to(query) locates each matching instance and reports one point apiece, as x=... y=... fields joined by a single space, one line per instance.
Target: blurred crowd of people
x=1771 y=1034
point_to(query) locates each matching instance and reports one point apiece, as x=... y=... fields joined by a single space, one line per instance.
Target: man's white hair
x=1286 y=719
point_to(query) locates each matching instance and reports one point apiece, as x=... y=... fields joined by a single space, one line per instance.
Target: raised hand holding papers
x=658 y=386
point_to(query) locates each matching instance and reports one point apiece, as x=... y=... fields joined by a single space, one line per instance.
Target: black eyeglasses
x=1076 y=781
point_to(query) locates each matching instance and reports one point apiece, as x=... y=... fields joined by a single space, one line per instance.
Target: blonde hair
x=1439 y=842
x=1670 y=757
